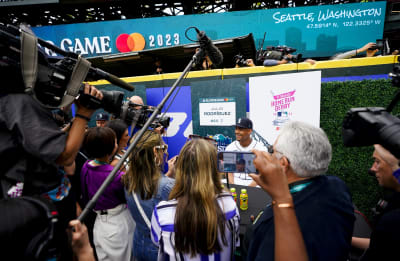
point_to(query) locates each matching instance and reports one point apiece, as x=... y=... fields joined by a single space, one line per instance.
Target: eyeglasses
x=271 y=150
x=163 y=147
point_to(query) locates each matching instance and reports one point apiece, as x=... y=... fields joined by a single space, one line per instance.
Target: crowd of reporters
x=184 y=214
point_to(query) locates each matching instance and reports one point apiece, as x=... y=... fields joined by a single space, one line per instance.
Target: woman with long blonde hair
x=145 y=187
x=200 y=219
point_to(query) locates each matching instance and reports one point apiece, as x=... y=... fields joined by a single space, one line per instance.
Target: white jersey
x=163 y=235
x=243 y=178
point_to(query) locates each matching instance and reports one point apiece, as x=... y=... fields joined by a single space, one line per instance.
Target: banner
x=315 y=31
x=277 y=99
x=217 y=111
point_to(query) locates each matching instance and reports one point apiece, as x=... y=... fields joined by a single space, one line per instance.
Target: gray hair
x=306 y=147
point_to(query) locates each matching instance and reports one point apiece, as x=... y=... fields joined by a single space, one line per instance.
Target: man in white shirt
x=243 y=143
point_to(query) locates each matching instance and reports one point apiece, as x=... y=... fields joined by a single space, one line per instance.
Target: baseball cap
x=102 y=116
x=245 y=123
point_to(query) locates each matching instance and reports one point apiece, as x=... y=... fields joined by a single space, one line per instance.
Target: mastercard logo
x=130 y=42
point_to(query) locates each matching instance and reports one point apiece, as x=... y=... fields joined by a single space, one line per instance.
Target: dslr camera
x=240 y=60
x=382 y=45
x=374 y=125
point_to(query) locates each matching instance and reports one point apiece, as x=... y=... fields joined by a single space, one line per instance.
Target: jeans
x=143 y=248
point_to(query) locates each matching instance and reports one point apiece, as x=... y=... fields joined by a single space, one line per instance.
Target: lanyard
x=292 y=190
x=100 y=162
x=299 y=187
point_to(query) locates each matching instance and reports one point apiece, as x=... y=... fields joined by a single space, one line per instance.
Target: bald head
x=136 y=100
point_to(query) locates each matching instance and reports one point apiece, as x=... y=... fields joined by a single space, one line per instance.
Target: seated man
x=240 y=165
x=322 y=203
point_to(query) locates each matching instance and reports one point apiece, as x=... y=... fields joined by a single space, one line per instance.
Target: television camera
x=137 y=113
x=278 y=53
x=56 y=81
x=374 y=125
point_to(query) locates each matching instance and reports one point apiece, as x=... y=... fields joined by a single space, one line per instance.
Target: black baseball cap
x=102 y=117
x=245 y=123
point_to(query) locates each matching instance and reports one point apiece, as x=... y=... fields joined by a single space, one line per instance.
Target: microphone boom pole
x=90 y=205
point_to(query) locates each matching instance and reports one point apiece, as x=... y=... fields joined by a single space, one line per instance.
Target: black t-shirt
x=30 y=144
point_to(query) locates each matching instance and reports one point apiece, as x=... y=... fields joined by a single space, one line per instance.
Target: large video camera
x=138 y=114
x=278 y=53
x=374 y=125
x=57 y=81
x=54 y=81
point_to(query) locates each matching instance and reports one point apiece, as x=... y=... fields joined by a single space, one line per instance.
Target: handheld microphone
x=211 y=50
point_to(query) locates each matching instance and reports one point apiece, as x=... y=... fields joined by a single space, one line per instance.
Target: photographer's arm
x=76 y=133
x=289 y=243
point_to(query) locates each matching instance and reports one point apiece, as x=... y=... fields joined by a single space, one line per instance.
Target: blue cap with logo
x=245 y=123
x=102 y=116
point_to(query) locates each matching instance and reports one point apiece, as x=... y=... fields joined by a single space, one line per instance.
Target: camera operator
x=138 y=101
x=33 y=149
x=278 y=55
x=385 y=236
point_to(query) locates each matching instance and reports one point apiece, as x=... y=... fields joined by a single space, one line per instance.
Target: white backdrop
x=276 y=99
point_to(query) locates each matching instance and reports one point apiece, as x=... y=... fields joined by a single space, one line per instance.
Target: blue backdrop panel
x=181 y=104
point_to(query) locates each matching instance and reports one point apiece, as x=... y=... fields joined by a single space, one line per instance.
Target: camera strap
x=79 y=73
x=29 y=67
x=29 y=60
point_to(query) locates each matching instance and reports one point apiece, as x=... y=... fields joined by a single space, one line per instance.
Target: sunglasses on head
x=163 y=147
x=195 y=136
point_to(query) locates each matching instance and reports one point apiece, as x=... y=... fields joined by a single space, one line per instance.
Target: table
x=258 y=199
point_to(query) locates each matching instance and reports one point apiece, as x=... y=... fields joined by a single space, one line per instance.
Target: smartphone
x=236 y=161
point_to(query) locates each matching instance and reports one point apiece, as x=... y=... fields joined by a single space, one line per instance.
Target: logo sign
x=281 y=107
x=217 y=111
x=274 y=101
x=130 y=42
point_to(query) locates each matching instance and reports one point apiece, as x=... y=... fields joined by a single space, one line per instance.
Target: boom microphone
x=98 y=74
x=211 y=50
